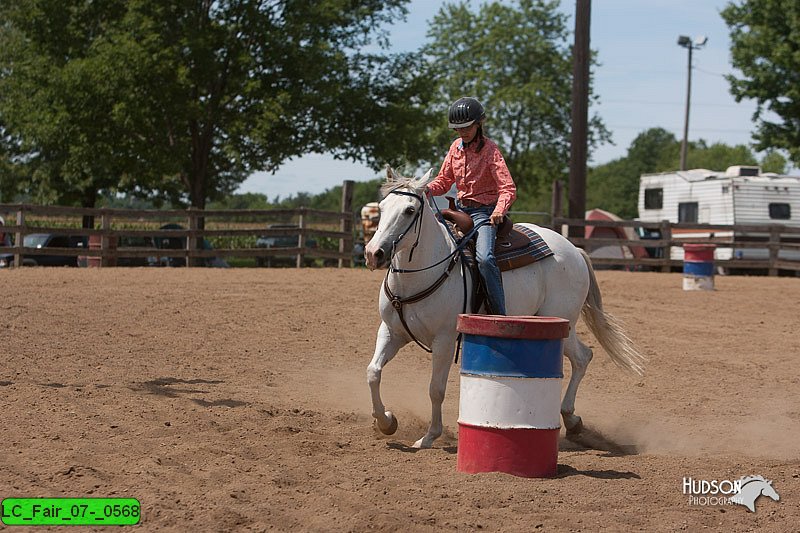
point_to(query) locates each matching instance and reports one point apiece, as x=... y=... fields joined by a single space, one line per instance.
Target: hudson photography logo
x=744 y=491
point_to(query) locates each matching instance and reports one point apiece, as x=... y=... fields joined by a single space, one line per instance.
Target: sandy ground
x=230 y=400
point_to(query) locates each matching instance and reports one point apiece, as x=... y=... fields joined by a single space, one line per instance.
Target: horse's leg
x=386 y=348
x=579 y=356
x=442 y=357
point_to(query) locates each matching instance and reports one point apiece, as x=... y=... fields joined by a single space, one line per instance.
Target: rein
x=397 y=301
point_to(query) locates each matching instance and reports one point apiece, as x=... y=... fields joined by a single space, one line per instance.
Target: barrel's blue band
x=494 y=356
x=698 y=269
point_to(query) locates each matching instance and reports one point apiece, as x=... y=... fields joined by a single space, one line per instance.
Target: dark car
x=282 y=241
x=179 y=243
x=647 y=234
x=47 y=240
x=137 y=242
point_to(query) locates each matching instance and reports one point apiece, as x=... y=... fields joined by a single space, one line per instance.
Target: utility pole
x=687 y=43
x=580 y=116
x=685 y=143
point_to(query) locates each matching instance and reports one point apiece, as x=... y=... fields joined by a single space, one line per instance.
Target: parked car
x=179 y=243
x=47 y=240
x=646 y=234
x=137 y=242
x=5 y=238
x=282 y=241
x=123 y=242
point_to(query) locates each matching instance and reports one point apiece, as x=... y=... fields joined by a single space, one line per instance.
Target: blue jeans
x=484 y=254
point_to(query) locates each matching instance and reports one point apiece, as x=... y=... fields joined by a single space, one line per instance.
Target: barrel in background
x=698 y=267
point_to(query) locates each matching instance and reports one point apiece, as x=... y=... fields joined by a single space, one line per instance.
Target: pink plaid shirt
x=482 y=177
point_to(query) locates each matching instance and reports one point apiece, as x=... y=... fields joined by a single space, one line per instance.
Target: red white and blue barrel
x=698 y=267
x=509 y=407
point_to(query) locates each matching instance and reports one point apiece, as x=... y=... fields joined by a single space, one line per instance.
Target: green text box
x=70 y=511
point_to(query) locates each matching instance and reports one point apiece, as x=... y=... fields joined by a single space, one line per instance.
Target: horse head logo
x=751 y=488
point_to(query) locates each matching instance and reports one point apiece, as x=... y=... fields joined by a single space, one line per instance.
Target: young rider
x=485 y=188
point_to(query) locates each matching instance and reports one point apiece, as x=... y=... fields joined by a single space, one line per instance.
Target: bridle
x=417 y=219
x=397 y=301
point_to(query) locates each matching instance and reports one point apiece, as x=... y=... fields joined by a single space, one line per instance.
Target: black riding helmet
x=465 y=112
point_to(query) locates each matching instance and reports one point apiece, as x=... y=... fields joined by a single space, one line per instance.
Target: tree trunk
x=197 y=196
x=89 y=200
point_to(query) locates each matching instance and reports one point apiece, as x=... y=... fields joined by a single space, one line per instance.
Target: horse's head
x=401 y=209
x=768 y=490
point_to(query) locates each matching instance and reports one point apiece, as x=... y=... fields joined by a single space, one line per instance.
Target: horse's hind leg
x=579 y=356
x=386 y=348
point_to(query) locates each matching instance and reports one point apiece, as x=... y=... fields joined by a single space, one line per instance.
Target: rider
x=485 y=188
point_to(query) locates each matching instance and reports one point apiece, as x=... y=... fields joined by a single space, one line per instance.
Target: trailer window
x=780 y=211
x=687 y=212
x=653 y=198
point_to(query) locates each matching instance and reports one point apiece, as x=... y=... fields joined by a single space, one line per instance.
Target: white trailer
x=740 y=195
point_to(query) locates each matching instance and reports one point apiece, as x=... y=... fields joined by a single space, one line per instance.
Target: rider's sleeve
x=446 y=177
x=507 y=191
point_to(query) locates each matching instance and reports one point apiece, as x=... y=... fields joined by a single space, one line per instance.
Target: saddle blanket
x=524 y=248
x=535 y=250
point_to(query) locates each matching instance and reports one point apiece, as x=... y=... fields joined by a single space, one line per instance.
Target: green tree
x=765 y=48
x=248 y=200
x=774 y=162
x=719 y=156
x=183 y=99
x=9 y=171
x=52 y=100
x=614 y=186
x=517 y=59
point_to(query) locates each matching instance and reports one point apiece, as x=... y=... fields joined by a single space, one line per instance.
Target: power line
x=677 y=128
x=720 y=74
x=649 y=102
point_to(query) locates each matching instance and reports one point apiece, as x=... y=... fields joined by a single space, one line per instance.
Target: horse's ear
x=391 y=175
x=424 y=180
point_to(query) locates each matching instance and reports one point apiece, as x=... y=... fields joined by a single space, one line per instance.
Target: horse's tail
x=607 y=329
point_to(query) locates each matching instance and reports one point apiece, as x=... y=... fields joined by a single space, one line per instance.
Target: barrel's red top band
x=514 y=327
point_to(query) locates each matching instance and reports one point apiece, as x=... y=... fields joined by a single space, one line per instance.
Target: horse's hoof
x=392 y=428
x=574 y=426
x=423 y=444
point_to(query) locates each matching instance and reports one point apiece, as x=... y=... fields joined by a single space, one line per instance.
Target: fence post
x=191 y=240
x=774 y=247
x=105 y=225
x=556 y=202
x=301 y=238
x=666 y=249
x=346 y=224
x=19 y=236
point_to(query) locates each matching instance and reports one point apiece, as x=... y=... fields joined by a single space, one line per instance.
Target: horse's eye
x=409 y=210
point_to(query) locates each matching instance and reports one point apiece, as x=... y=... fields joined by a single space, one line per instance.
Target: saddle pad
x=535 y=250
x=531 y=248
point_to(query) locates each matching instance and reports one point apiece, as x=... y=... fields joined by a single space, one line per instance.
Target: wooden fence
x=776 y=239
x=119 y=225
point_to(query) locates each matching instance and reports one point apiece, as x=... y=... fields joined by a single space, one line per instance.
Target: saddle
x=515 y=246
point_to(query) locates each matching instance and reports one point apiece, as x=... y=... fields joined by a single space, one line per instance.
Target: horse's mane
x=745 y=480
x=402 y=183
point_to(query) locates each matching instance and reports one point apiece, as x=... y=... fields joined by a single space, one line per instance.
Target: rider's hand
x=497 y=218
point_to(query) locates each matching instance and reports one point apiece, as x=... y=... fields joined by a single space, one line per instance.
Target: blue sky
x=641 y=81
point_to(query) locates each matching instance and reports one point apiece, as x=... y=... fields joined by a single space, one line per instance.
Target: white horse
x=562 y=286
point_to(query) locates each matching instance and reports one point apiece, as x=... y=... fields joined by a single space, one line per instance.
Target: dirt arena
x=230 y=400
